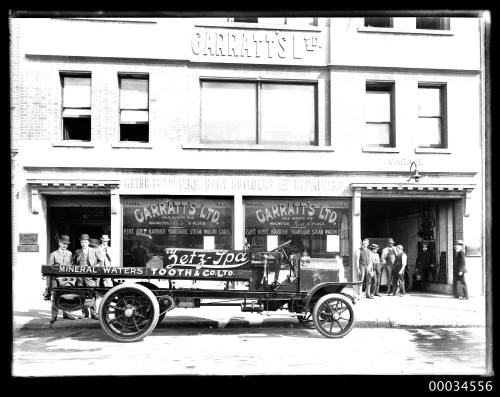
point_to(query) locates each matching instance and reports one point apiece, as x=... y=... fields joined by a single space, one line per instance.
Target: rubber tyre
x=149 y=310
x=332 y=307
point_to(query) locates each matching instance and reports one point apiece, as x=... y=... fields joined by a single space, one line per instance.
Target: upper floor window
x=379 y=22
x=431 y=116
x=379 y=114
x=246 y=20
x=76 y=107
x=134 y=108
x=435 y=23
x=294 y=21
x=258 y=113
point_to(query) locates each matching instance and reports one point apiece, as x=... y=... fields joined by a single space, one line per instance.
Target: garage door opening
x=412 y=223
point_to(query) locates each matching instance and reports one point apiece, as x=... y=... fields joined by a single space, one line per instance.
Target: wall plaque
x=28 y=248
x=28 y=238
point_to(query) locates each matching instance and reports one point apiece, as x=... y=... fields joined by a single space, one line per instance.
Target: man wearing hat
x=60 y=257
x=425 y=263
x=388 y=258
x=459 y=270
x=362 y=260
x=87 y=256
x=105 y=251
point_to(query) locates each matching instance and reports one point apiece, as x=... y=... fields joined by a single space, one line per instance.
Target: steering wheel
x=281 y=246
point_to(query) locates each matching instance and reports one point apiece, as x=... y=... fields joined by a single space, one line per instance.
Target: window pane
x=275 y=21
x=134 y=116
x=76 y=129
x=382 y=22
x=246 y=20
x=378 y=134
x=429 y=132
x=76 y=113
x=429 y=101
x=301 y=21
x=133 y=94
x=288 y=114
x=229 y=112
x=378 y=106
x=76 y=92
x=437 y=23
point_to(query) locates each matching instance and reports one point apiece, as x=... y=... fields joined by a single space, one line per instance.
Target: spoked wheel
x=129 y=312
x=333 y=315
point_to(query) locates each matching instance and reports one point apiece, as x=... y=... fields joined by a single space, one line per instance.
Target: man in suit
x=59 y=257
x=460 y=270
x=362 y=259
x=105 y=251
x=87 y=256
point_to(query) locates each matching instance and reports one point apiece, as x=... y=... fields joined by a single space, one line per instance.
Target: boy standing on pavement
x=377 y=270
x=388 y=257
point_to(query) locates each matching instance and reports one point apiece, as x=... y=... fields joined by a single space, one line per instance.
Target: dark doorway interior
x=409 y=222
x=85 y=215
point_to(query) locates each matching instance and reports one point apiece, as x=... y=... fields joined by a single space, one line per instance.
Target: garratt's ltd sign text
x=255 y=44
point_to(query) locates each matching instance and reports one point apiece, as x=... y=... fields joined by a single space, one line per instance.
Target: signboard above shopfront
x=257 y=45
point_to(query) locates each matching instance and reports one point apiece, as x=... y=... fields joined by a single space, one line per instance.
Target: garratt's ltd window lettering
x=319 y=226
x=154 y=223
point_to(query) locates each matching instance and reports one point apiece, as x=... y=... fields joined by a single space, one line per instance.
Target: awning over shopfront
x=411 y=190
x=68 y=186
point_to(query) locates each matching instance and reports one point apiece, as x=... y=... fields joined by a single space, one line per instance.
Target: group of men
x=370 y=265
x=92 y=253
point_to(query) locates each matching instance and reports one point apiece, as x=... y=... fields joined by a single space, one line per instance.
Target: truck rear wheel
x=129 y=312
x=333 y=315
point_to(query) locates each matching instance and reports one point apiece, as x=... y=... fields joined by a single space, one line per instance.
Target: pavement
x=414 y=310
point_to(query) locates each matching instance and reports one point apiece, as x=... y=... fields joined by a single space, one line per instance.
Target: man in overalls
x=388 y=257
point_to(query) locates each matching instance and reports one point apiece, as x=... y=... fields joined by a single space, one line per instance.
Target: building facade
x=213 y=132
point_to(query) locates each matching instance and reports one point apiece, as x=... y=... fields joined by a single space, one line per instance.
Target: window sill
x=432 y=150
x=73 y=144
x=131 y=145
x=432 y=32
x=374 y=149
x=281 y=148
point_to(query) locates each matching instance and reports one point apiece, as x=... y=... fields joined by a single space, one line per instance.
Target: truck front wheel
x=128 y=312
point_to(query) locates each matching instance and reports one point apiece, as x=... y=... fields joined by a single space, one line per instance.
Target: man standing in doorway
x=460 y=270
x=388 y=257
x=87 y=256
x=399 y=271
x=425 y=264
x=362 y=260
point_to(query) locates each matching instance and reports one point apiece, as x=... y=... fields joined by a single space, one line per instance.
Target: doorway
x=76 y=215
x=411 y=223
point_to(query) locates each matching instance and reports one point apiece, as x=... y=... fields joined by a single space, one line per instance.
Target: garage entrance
x=412 y=223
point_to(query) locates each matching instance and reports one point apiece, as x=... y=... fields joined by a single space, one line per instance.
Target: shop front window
x=154 y=223
x=318 y=226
